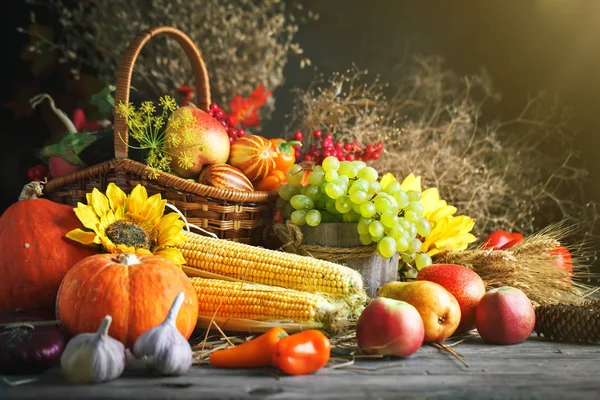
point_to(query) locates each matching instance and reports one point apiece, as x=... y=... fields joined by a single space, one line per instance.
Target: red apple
x=464 y=284
x=501 y=239
x=193 y=134
x=505 y=315
x=564 y=261
x=439 y=309
x=389 y=327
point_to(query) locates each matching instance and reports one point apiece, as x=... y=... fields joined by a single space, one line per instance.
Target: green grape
x=395 y=231
x=331 y=176
x=376 y=228
x=313 y=218
x=393 y=187
x=301 y=202
x=411 y=216
x=286 y=191
x=374 y=187
x=351 y=216
x=331 y=207
x=360 y=164
x=326 y=217
x=381 y=204
x=412 y=273
x=376 y=239
x=416 y=207
x=359 y=184
x=330 y=163
x=368 y=173
x=411 y=232
x=401 y=244
x=316 y=178
x=402 y=198
x=407 y=258
x=294 y=175
x=280 y=203
x=343 y=180
x=367 y=209
x=322 y=201
x=363 y=225
x=287 y=211
x=298 y=217
x=348 y=169
x=359 y=196
x=365 y=239
x=343 y=204
x=313 y=192
x=318 y=168
x=333 y=190
x=415 y=245
x=414 y=195
x=356 y=207
x=422 y=260
x=386 y=247
x=389 y=218
x=404 y=223
x=423 y=227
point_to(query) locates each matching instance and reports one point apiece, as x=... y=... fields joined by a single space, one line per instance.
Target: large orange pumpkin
x=137 y=291
x=34 y=253
x=253 y=155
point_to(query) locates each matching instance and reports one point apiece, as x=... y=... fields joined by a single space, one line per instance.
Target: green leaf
x=104 y=100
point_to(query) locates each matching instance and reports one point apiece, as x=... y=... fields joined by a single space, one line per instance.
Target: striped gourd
x=225 y=176
x=252 y=307
x=210 y=257
x=253 y=155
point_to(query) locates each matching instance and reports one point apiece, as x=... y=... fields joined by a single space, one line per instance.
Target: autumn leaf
x=244 y=112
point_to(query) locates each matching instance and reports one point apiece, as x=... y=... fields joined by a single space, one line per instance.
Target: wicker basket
x=230 y=214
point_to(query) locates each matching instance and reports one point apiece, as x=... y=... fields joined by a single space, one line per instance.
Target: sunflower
x=129 y=224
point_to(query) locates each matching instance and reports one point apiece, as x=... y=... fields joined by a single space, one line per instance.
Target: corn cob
x=270 y=267
x=252 y=307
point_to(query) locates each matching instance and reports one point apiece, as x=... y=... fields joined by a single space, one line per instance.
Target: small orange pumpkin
x=34 y=253
x=253 y=155
x=136 y=290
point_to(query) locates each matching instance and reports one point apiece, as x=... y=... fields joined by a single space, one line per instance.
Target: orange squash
x=254 y=155
x=137 y=291
x=34 y=253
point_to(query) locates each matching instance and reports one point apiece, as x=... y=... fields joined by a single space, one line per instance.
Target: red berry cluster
x=228 y=123
x=321 y=145
x=38 y=173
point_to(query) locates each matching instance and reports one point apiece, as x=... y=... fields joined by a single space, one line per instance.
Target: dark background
x=526 y=46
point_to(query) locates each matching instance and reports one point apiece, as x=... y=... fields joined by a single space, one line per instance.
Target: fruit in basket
x=505 y=315
x=35 y=253
x=390 y=327
x=194 y=139
x=137 y=291
x=439 y=309
x=225 y=176
x=465 y=285
x=253 y=155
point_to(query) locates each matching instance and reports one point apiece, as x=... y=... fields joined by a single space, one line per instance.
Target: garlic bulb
x=163 y=348
x=93 y=357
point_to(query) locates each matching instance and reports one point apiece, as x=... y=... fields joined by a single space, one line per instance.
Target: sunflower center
x=128 y=233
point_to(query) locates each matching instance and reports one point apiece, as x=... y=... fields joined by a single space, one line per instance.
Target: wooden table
x=535 y=369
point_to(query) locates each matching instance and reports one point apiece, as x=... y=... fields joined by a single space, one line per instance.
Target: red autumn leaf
x=245 y=111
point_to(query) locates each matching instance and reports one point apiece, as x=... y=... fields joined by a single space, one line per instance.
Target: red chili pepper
x=257 y=352
x=302 y=353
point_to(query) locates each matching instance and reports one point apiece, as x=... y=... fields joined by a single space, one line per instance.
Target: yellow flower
x=129 y=224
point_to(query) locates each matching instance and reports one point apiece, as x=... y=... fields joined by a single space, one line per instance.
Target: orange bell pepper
x=302 y=353
x=271 y=182
x=257 y=352
x=286 y=155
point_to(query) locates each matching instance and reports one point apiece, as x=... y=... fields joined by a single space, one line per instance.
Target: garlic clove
x=93 y=357
x=163 y=348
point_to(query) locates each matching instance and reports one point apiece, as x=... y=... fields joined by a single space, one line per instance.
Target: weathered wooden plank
x=534 y=369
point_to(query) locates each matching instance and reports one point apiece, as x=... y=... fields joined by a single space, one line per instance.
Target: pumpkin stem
x=103 y=329
x=174 y=310
x=33 y=190
x=128 y=259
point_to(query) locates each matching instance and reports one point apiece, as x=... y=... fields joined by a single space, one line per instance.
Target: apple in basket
x=194 y=139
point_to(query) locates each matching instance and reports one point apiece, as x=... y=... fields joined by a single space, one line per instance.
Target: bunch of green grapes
x=350 y=191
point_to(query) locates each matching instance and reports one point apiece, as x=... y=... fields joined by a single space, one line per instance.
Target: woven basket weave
x=230 y=214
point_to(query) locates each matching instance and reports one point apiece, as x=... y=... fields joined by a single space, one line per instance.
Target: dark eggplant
x=30 y=342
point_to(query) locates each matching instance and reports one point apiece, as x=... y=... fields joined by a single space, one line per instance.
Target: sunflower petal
x=87 y=216
x=171 y=254
x=136 y=203
x=116 y=197
x=99 y=202
x=155 y=208
x=386 y=179
x=83 y=237
x=411 y=182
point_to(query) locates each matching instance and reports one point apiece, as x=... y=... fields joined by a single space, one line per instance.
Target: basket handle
x=126 y=70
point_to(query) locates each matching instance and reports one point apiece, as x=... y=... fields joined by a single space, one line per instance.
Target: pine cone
x=578 y=323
